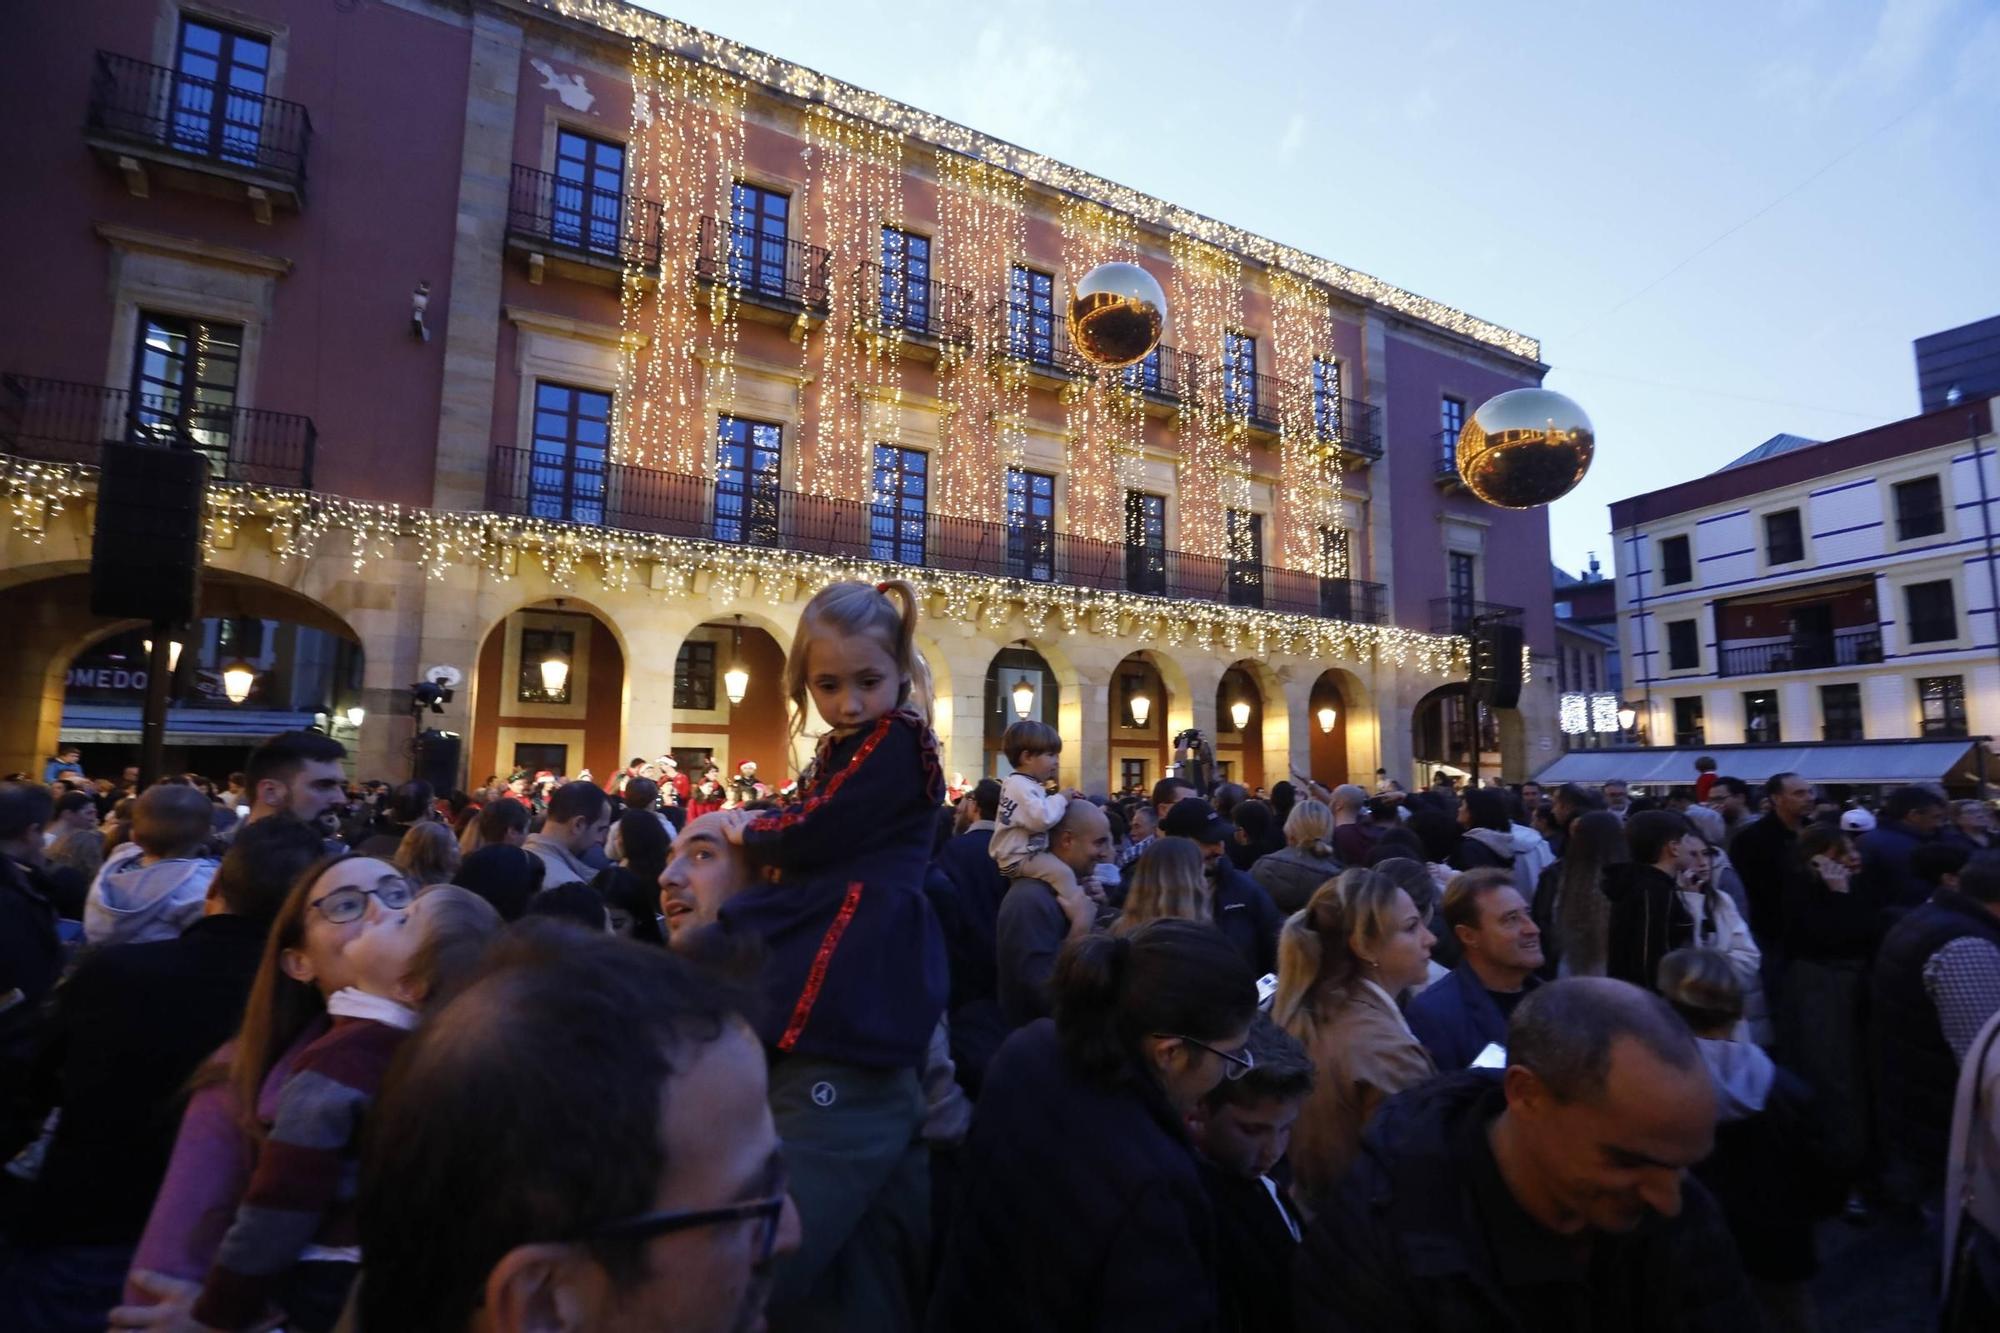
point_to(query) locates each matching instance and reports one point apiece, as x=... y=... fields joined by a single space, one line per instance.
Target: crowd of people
x=877 y=1051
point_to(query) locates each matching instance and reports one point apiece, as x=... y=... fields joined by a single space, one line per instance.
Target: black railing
x=604 y=225
x=151 y=106
x=61 y=421
x=1444 y=458
x=758 y=264
x=640 y=499
x=1842 y=648
x=1254 y=396
x=1037 y=339
x=1943 y=727
x=1349 y=423
x=887 y=301
x=1455 y=615
x=1168 y=377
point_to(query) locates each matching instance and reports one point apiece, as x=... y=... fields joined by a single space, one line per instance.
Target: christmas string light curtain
x=1214 y=463
x=1310 y=485
x=982 y=233
x=1105 y=441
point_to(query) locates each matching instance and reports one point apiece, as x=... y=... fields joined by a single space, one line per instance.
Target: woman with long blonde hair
x=1169 y=881
x=1342 y=960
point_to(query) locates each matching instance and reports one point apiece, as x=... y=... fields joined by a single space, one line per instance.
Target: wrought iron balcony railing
x=760 y=265
x=640 y=499
x=1444 y=456
x=1168 y=375
x=604 y=226
x=61 y=421
x=1039 y=340
x=1349 y=424
x=1455 y=615
x=887 y=301
x=1847 y=647
x=163 y=110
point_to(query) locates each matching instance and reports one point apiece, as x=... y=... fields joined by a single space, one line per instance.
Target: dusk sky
x=1723 y=220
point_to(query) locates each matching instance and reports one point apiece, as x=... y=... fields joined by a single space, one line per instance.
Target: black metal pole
x=1992 y=574
x=153 y=722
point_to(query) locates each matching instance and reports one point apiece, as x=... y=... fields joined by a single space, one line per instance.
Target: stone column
x=1375 y=391
x=1087 y=758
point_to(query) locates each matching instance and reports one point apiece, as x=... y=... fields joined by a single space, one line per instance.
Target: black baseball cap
x=1192 y=817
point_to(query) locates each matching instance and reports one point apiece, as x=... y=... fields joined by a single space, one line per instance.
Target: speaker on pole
x=1496 y=666
x=436 y=758
x=145 y=551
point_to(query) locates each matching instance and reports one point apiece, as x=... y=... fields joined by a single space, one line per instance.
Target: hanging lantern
x=1326 y=717
x=1239 y=713
x=1627 y=716
x=1142 y=708
x=237 y=678
x=1024 y=698
x=555 y=673
x=736 y=680
x=173 y=653
x=355 y=716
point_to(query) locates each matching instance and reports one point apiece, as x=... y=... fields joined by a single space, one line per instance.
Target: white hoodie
x=133 y=904
x=1026 y=815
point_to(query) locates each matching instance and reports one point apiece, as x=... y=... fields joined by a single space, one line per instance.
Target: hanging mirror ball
x=1525 y=448
x=1117 y=315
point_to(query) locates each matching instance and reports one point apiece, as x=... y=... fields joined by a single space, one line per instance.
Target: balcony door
x=896 y=524
x=1031 y=525
x=759 y=221
x=1336 y=587
x=1246 y=558
x=572 y=435
x=1812 y=636
x=748 y=464
x=1145 y=543
x=588 y=207
x=184 y=383
x=1031 y=315
x=1239 y=374
x=220 y=77
x=906 y=280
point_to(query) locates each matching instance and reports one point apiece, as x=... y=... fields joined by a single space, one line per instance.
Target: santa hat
x=668 y=761
x=746 y=766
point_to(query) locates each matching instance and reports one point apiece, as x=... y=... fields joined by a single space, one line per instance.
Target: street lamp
x=1327 y=715
x=1628 y=717
x=1142 y=708
x=1239 y=713
x=555 y=673
x=1024 y=698
x=736 y=680
x=237 y=678
x=355 y=716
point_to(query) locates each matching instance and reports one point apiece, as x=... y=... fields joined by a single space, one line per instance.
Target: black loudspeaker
x=145 y=553
x=1496 y=666
x=435 y=759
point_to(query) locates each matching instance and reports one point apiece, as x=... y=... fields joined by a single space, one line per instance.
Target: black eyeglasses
x=1238 y=1063
x=351 y=903
x=644 y=1226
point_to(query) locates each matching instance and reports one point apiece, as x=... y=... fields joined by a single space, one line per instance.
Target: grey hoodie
x=134 y=904
x=1742 y=1074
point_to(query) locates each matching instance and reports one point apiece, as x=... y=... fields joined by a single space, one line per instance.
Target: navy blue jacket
x=1456 y=1018
x=1080 y=1206
x=1885 y=866
x=855 y=968
x=1247 y=916
x=965 y=889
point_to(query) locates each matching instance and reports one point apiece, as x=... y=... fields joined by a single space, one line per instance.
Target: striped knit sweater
x=302 y=1191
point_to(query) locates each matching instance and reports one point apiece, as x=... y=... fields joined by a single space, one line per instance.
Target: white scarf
x=349 y=1002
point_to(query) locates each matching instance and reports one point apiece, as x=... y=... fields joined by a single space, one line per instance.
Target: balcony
x=1041 y=349
x=1253 y=397
x=642 y=499
x=62 y=422
x=1843 y=648
x=1444 y=461
x=784 y=277
x=1165 y=382
x=147 y=120
x=579 y=232
x=930 y=320
x=1456 y=615
x=1348 y=430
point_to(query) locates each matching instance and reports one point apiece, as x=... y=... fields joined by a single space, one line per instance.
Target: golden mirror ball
x=1525 y=448
x=1117 y=315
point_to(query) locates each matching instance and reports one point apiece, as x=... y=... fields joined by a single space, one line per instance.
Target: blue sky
x=1723 y=220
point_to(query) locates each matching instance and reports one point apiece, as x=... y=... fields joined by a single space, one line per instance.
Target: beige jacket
x=1363 y=1053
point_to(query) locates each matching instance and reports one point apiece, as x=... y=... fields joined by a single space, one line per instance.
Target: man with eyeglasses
x=668 y=1218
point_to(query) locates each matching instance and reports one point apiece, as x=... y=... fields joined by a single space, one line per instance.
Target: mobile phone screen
x=1493 y=1057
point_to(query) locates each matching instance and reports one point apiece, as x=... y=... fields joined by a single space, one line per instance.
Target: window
x=1919 y=508
x=1689 y=728
x=1840 y=712
x=589 y=193
x=758 y=223
x=1145 y=375
x=1683 y=647
x=1246 y=558
x=1145 y=542
x=1326 y=397
x=566 y=472
x=218 y=99
x=532 y=759
x=1132 y=775
x=1760 y=717
x=1239 y=374
x=694 y=678
x=1451 y=420
x=184 y=374
x=1942 y=701
x=1462 y=586
x=1336 y=586
x=1031 y=522
x=748 y=458
x=896 y=525
x=1590 y=672
x=906 y=280
x=537 y=647
x=1031 y=315
x=1784 y=540
x=1676 y=563
x=1562 y=672
x=1931 y=615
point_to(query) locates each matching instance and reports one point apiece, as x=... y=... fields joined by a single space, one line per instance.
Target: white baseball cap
x=1857 y=821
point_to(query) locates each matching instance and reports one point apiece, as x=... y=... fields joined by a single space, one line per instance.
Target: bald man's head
x=1081 y=840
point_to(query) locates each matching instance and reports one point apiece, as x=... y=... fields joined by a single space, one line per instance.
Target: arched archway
x=529 y=715
x=1148 y=703
x=1242 y=716
x=1020 y=684
x=1329 y=713
x=717 y=662
x=1441 y=735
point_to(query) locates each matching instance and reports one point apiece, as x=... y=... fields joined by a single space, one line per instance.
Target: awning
x=1953 y=762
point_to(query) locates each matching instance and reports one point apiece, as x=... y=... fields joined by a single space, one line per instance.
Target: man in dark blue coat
x=1459 y=1016
x=965 y=888
x=1243 y=911
x=1910 y=818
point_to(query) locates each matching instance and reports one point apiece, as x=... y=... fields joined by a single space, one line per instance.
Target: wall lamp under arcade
x=736 y=680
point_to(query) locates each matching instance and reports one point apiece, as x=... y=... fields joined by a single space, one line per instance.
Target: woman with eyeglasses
x=1343 y=960
x=1080 y=1204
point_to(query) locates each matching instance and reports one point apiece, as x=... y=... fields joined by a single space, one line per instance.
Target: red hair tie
x=882 y=587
